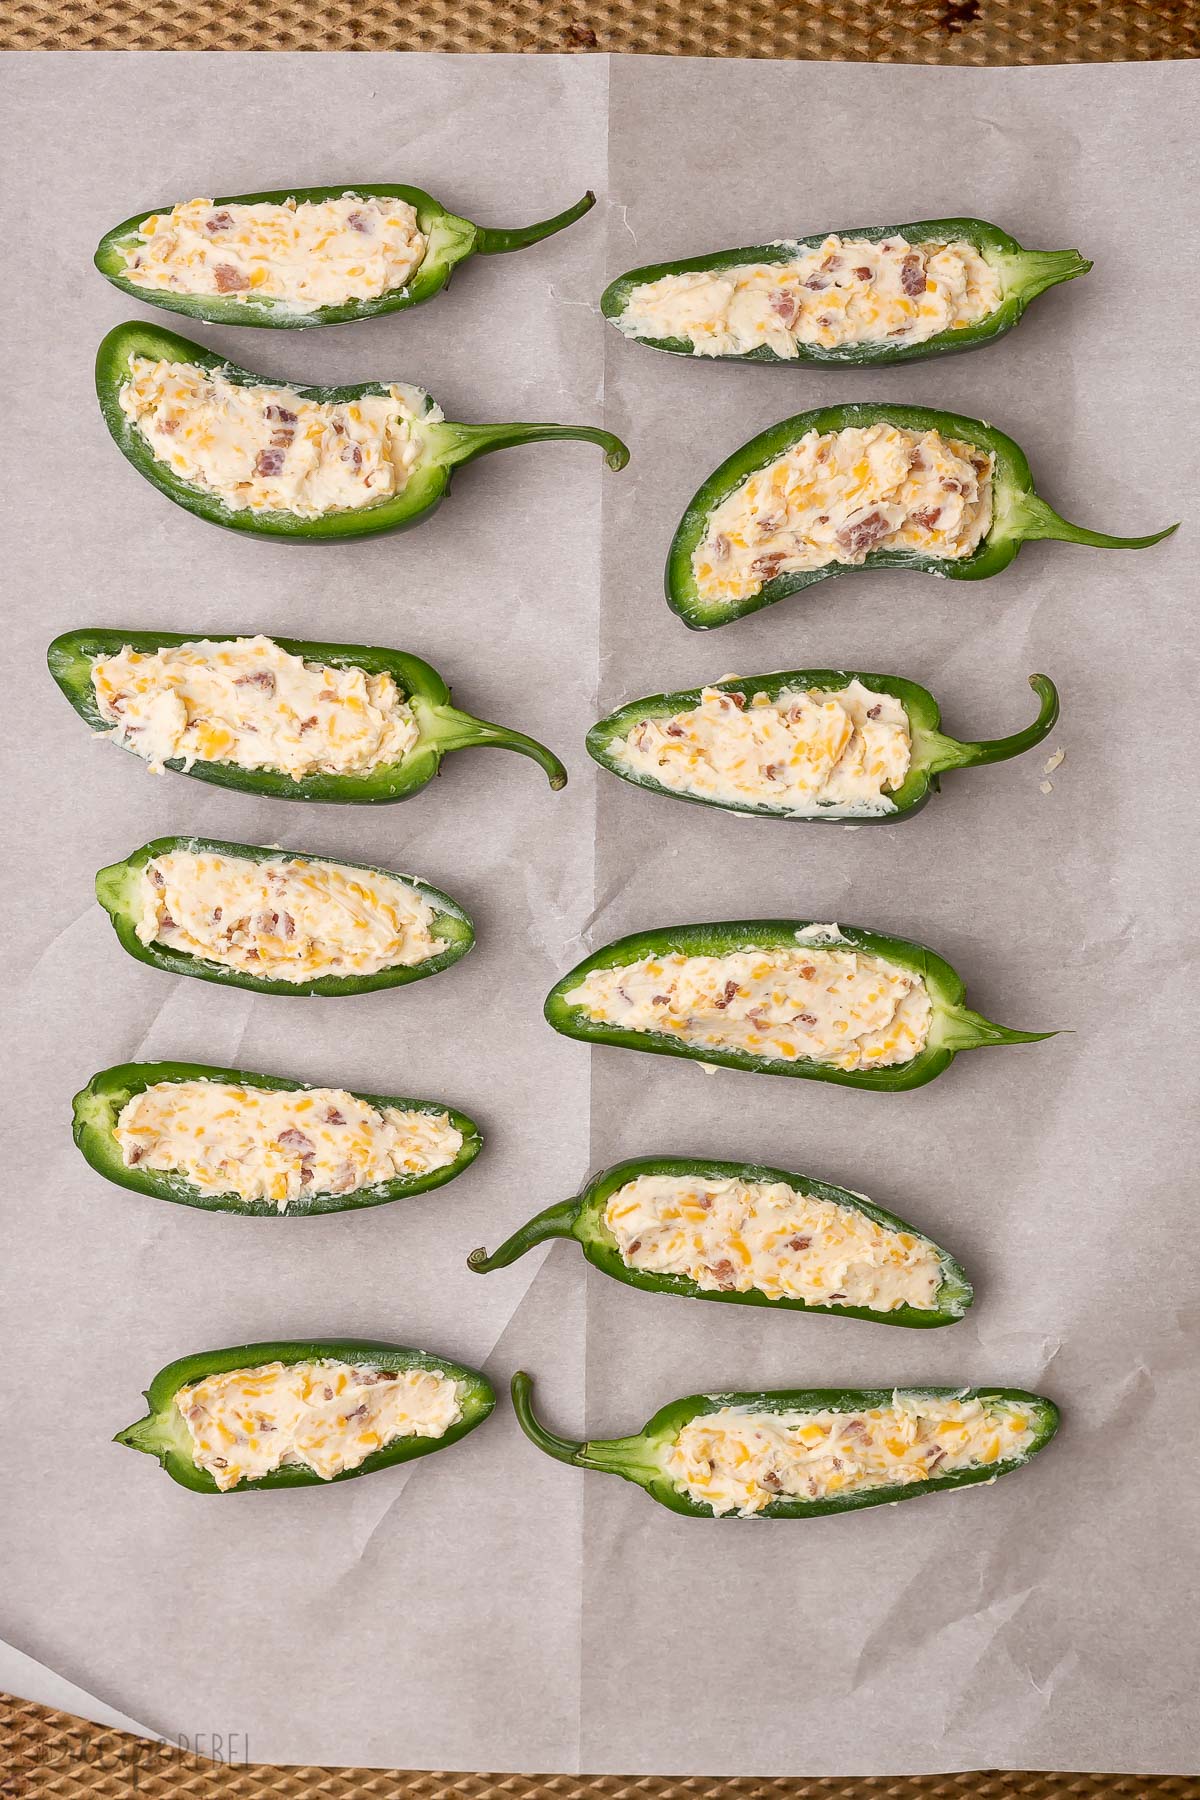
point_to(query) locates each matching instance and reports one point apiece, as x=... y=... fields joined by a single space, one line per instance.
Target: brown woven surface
x=48 y=1755
x=949 y=31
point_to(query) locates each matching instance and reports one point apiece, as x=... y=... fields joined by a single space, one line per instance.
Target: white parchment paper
x=490 y=1608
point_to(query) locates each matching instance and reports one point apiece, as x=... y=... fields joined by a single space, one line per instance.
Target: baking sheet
x=490 y=1608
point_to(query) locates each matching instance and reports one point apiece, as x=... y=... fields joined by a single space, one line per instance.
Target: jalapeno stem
x=1034 y=518
x=555 y=1222
x=535 y=1431
x=937 y=751
x=453 y=443
x=490 y=241
x=446 y=729
x=1028 y=273
x=961 y=1029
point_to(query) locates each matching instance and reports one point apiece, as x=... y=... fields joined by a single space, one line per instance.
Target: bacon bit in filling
x=249 y=702
x=278 y=1144
x=819 y=299
x=837 y=498
x=288 y=918
x=737 y=1460
x=302 y=254
x=838 y=1007
x=743 y=1236
x=323 y=1416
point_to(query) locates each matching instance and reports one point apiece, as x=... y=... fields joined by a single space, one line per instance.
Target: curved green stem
x=1035 y=519
x=1030 y=272
x=555 y=1222
x=455 y=443
x=961 y=1029
x=490 y=242
x=447 y=729
x=940 y=752
x=535 y=1431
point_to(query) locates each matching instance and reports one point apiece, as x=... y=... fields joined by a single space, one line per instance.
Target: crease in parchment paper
x=1039 y=1623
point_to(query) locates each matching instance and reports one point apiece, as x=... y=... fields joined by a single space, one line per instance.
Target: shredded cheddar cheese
x=736 y=1236
x=306 y=254
x=803 y=753
x=280 y=1144
x=326 y=1416
x=737 y=1460
x=845 y=291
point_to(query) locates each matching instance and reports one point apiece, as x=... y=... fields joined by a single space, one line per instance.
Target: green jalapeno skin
x=953 y=1027
x=641 y=1458
x=442 y=726
x=1019 y=515
x=583 y=1219
x=118 y=889
x=445 y=445
x=450 y=240
x=97 y=1107
x=1023 y=275
x=933 y=753
x=163 y=1434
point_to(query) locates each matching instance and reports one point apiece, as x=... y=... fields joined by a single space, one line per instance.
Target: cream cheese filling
x=839 y=1007
x=735 y=1236
x=804 y=752
x=269 y=449
x=309 y=253
x=838 y=497
x=278 y=1144
x=737 y=1460
x=249 y=702
x=288 y=918
x=325 y=1416
x=845 y=291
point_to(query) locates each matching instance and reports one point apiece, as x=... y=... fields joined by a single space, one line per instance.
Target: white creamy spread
x=732 y=1236
x=248 y=702
x=839 y=496
x=309 y=253
x=327 y=1416
x=288 y=918
x=839 y=1007
x=737 y=1460
x=845 y=291
x=269 y=449
x=803 y=753
x=278 y=1144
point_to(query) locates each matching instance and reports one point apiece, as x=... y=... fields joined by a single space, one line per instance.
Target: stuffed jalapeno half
x=865 y=485
x=800 y=744
x=779 y=997
x=287 y=717
x=279 y=921
x=798 y=1453
x=295 y=257
x=298 y=1414
x=881 y=294
x=751 y=1235
x=313 y=464
x=227 y=1141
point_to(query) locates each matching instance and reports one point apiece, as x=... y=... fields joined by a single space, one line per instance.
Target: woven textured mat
x=48 y=1755
x=928 y=31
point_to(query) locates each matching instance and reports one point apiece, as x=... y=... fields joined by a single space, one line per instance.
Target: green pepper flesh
x=97 y=1107
x=442 y=727
x=933 y=753
x=953 y=1027
x=450 y=240
x=163 y=1434
x=582 y=1218
x=641 y=1458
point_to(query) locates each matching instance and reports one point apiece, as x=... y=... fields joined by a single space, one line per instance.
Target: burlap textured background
x=930 y=31
x=47 y=1755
